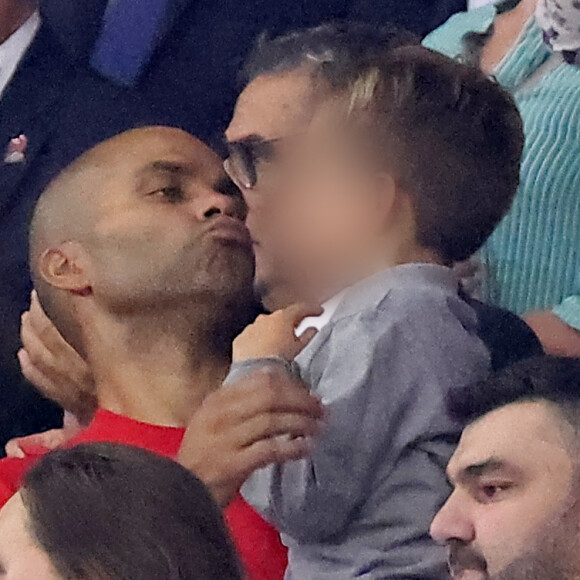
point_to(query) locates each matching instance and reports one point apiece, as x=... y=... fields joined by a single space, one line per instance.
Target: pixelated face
x=309 y=188
x=514 y=510
x=169 y=224
x=21 y=558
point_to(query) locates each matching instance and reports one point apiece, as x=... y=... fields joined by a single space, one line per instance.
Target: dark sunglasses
x=244 y=156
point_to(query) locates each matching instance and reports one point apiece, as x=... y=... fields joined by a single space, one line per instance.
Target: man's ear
x=65 y=267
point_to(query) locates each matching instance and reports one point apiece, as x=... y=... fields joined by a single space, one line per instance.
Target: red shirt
x=261 y=551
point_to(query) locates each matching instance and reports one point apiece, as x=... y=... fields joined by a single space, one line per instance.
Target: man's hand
x=274 y=335
x=41 y=443
x=37 y=444
x=556 y=336
x=266 y=417
x=53 y=366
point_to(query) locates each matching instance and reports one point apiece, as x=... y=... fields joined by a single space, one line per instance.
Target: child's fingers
x=296 y=313
x=13 y=449
x=307 y=336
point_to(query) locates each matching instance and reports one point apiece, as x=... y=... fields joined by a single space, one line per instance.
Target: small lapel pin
x=16 y=149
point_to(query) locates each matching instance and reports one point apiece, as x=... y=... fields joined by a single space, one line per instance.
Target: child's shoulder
x=401 y=320
x=412 y=304
x=404 y=305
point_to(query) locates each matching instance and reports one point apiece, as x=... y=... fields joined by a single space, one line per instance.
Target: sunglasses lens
x=241 y=165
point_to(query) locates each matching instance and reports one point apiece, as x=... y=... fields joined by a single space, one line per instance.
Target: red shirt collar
x=108 y=426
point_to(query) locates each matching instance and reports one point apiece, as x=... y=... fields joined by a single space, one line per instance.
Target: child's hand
x=275 y=334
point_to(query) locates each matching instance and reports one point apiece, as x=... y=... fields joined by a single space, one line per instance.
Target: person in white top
x=19 y=23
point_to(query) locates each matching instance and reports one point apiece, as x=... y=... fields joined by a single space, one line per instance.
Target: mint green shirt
x=532 y=261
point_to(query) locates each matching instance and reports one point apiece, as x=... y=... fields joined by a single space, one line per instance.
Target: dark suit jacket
x=508 y=338
x=191 y=79
x=62 y=110
x=418 y=16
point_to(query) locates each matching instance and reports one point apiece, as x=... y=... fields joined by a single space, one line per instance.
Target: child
x=442 y=146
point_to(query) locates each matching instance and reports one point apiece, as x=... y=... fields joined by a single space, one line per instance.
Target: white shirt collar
x=373 y=289
x=12 y=50
x=319 y=322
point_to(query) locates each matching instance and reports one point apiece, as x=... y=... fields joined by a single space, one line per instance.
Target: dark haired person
x=109 y=511
x=514 y=513
x=360 y=169
x=285 y=108
x=530 y=263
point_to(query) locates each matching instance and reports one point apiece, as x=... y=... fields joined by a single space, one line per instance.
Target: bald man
x=140 y=256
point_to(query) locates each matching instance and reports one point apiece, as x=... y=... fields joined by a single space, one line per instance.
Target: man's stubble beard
x=556 y=555
x=553 y=555
x=274 y=296
x=541 y=566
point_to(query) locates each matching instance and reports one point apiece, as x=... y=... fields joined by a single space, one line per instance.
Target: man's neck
x=156 y=370
x=13 y=14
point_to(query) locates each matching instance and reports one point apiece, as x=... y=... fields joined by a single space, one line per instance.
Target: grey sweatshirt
x=360 y=506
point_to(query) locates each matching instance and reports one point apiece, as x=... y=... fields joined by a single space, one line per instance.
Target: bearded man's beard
x=541 y=566
x=554 y=556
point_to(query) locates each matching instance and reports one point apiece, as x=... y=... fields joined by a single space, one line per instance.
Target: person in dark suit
x=50 y=112
x=188 y=67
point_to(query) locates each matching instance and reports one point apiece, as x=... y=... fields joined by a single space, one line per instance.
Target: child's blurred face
x=313 y=209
